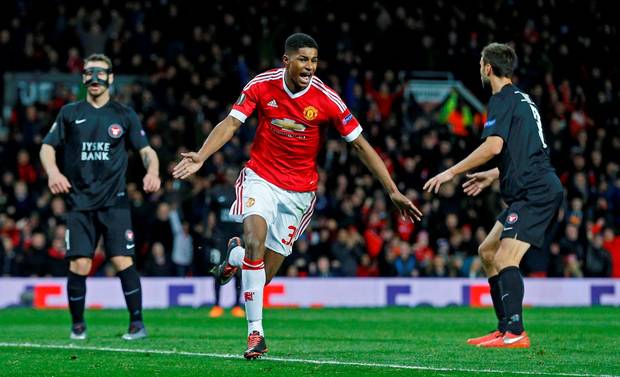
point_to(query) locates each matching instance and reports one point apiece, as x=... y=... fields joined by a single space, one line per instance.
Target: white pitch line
x=291 y=360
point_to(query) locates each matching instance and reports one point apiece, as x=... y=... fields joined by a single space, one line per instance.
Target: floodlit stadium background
x=408 y=71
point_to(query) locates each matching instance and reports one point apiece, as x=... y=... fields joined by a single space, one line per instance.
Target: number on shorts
x=291 y=236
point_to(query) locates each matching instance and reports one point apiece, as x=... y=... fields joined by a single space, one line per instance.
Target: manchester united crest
x=250 y=202
x=310 y=113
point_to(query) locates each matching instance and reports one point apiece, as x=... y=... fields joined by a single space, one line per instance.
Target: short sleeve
x=56 y=134
x=345 y=122
x=137 y=136
x=499 y=119
x=246 y=103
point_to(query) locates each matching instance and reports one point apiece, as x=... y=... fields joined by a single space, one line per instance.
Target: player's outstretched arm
x=371 y=159
x=479 y=181
x=151 y=181
x=192 y=161
x=491 y=147
x=56 y=181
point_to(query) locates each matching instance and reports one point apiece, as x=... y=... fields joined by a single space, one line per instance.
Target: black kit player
x=528 y=185
x=225 y=227
x=90 y=139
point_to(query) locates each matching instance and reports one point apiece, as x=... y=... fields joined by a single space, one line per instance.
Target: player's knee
x=254 y=247
x=80 y=266
x=487 y=253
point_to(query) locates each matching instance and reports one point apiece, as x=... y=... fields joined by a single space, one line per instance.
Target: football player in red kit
x=276 y=189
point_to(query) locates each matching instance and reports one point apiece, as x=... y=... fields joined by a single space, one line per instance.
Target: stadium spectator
x=193 y=70
x=56 y=262
x=157 y=263
x=347 y=250
x=323 y=268
x=597 y=261
x=183 y=247
x=10 y=258
x=405 y=263
x=611 y=243
x=161 y=229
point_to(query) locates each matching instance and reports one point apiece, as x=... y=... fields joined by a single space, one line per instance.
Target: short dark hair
x=299 y=40
x=502 y=58
x=98 y=58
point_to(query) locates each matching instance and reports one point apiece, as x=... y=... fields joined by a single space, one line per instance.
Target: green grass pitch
x=311 y=342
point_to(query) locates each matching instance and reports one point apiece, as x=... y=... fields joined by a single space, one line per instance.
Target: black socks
x=76 y=295
x=511 y=290
x=130 y=280
x=217 y=288
x=238 y=290
x=497 y=303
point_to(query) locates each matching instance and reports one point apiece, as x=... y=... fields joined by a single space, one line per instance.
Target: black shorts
x=529 y=220
x=85 y=228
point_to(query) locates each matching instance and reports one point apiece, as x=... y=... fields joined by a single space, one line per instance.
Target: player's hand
x=406 y=207
x=151 y=183
x=477 y=182
x=58 y=183
x=190 y=164
x=435 y=183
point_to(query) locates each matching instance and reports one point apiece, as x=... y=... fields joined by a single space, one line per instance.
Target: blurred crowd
x=195 y=64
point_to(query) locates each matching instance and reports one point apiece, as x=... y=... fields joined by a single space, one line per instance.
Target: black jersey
x=91 y=148
x=524 y=165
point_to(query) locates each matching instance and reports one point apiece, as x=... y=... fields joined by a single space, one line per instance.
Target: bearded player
x=528 y=184
x=276 y=190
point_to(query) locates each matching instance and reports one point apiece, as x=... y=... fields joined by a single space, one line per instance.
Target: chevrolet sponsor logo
x=288 y=124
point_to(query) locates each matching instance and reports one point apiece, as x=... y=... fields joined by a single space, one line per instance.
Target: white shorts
x=287 y=213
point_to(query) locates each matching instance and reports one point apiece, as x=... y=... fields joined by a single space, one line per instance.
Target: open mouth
x=305 y=77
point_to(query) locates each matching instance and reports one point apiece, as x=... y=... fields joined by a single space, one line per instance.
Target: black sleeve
x=137 y=136
x=56 y=134
x=499 y=119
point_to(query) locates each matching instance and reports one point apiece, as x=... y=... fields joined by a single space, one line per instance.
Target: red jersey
x=291 y=128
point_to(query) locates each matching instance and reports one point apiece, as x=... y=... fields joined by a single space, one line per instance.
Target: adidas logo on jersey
x=272 y=103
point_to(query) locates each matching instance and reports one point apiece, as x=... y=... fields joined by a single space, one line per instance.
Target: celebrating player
x=275 y=192
x=528 y=184
x=91 y=138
